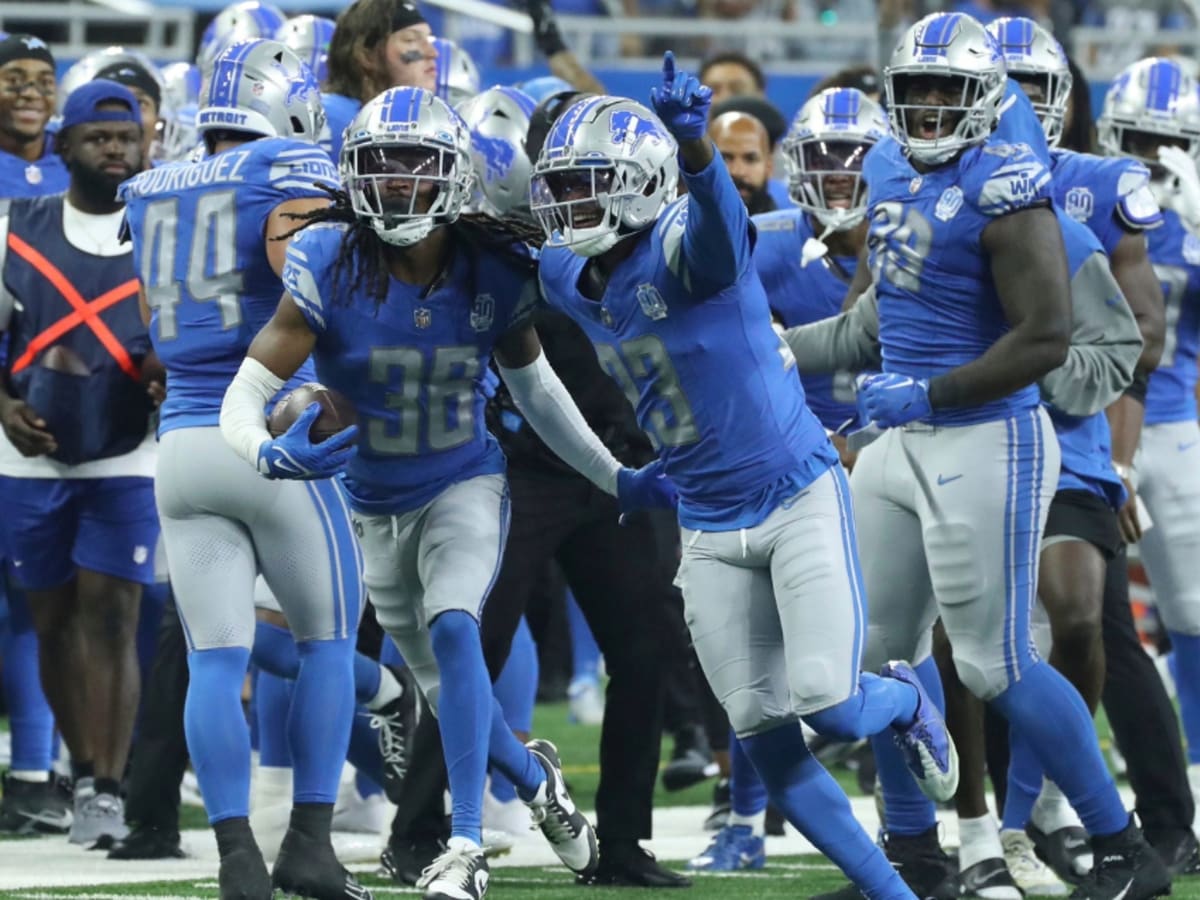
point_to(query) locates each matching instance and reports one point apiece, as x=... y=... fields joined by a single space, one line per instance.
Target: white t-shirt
x=95 y=234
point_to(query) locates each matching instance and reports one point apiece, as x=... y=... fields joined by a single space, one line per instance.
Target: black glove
x=545 y=27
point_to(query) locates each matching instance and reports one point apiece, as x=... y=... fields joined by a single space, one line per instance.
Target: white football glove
x=1186 y=199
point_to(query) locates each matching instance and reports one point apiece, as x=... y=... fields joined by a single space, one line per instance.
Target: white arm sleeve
x=546 y=405
x=243 y=424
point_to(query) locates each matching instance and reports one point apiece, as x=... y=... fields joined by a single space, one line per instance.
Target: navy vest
x=85 y=381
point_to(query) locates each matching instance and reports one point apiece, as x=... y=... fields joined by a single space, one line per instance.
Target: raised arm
x=716 y=240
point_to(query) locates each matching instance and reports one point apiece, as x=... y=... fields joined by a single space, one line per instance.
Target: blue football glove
x=293 y=454
x=489 y=381
x=889 y=399
x=645 y=488
x=682 y=102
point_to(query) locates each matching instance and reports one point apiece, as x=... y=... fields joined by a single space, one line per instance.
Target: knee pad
x=982 y=676
x=954 y=568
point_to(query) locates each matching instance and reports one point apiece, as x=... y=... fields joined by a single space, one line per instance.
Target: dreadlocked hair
x=359 y=242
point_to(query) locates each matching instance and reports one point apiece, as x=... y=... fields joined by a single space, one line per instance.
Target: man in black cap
x=147 y=88
x=29 y=167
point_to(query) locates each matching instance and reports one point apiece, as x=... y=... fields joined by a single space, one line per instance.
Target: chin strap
x=815 y=248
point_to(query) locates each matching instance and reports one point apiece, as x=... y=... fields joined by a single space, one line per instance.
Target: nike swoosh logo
x=54 y=820
x=1124 y=890
x=1187 y=445
x=942 y=479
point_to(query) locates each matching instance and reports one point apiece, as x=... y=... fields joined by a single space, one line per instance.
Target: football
x=337 y=412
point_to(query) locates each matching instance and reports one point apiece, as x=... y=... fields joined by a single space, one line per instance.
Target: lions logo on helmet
x=606 y=170
x=406 y=164
x=1152 y=100
x=823 y=153
x=1038 y=63
x=261 y=87
x=499 y=120
x=949 y=54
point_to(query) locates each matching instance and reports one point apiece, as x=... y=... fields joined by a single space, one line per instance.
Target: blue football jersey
x=339 y=112
x=1175 y=253
x=1110 y=195
x=198 y=245
x=799 y=295
x=1085 y=441
x=20 y=178
x=712 y=383
x=412 y=365
x=938 y=307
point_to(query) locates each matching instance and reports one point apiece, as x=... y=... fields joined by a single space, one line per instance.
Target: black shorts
x=1084 y=516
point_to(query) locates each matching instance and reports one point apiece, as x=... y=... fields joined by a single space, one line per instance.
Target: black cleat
x=396 y=723
x=308 y=868
x=148 y=842
x=691 y=761
x=1179 y=852
x=1067 y=851
x=628 y=864
x=988 y=879
x=34 y=807
x=244 y=875
x=921 y=862
x=1126 y=868
x=569 y=832
x=404 y=861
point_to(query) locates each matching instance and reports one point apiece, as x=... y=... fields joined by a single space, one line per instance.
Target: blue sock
x=272 y=701
x=906 y=811
x=585 y=654
x=1186 y=649
x=366 y=786
x=275 y=650
x=747 y=793
x=464 y=712
x=363 y=752
x=1049 y=713
x=512 y=758
x=811 y=800
x=516 y=691
x=319 y=722
x=1024 y=782
x=876 y=705
x=218 y=737
x=31 y=722
x=389 y=653
x=366 y=678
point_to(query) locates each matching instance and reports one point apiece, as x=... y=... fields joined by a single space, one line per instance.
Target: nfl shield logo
x=483 y=312
x=915 y=184
x=33 y=174
x=422 y=317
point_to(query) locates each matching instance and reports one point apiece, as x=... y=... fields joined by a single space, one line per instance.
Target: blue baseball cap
x=83 y=104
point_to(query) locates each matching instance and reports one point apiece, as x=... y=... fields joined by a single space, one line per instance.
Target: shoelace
x=557 y=828
x=392 y=740
x=458 y=857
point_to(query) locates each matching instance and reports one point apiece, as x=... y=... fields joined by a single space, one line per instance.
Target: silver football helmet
x=607 y=169
x=1033 y=57
x=947 y=53
x=86 y=68
x=498 y=120
x=1153 y=98
x=237 y=22
x=261 y=87
x=406 y=164
x=308 y=37
x=823 y=154
x=457 y=74
x=181 y=99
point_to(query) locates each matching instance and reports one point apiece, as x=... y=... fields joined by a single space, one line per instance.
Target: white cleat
x=565 y=827
x=1032 y=876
